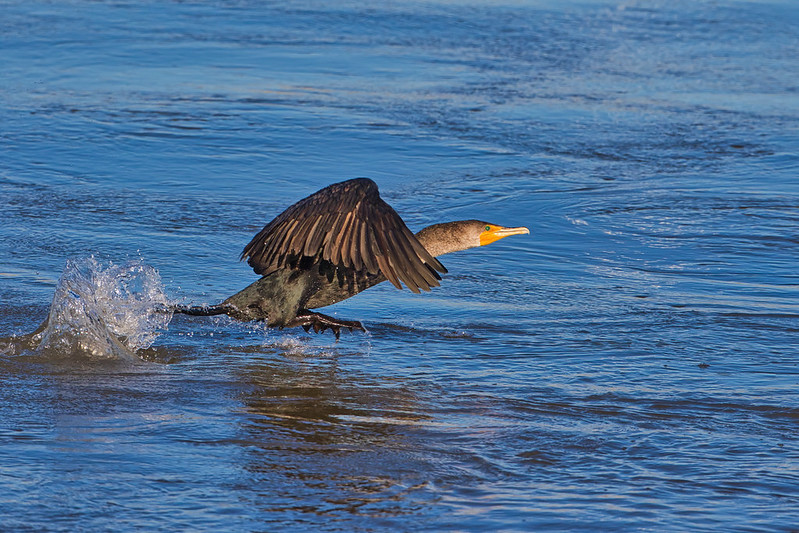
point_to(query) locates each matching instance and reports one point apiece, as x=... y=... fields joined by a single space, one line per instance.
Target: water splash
x=103 y=312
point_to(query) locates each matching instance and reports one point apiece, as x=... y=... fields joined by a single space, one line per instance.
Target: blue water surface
x=631 y=365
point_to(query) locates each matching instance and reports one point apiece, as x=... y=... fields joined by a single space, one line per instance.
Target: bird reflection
x=314 y=427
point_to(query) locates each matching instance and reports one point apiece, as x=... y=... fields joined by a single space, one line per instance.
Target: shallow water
x=631 y=365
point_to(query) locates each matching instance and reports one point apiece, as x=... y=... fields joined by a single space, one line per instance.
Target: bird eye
x=488 y=228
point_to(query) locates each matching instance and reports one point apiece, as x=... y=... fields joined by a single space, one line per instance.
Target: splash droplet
x=105 y=312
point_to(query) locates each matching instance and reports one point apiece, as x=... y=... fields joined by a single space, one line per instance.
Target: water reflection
x=312 y=429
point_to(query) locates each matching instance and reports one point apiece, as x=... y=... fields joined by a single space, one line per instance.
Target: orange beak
x=495 y=233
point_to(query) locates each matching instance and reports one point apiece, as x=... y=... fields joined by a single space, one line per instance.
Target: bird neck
x=445 y=238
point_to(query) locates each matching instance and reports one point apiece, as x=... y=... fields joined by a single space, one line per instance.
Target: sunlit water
x=631 y=365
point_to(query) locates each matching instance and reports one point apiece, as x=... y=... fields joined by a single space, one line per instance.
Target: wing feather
x=328 y=251
x=405 y=271
x=315 y=241
x=352 y=247
x=364 y=249
x=341 y=239
x=349 y=225
x=311 y=232
x=421 y=272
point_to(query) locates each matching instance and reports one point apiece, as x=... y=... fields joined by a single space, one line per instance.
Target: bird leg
x=197 y=310
x=319 y=322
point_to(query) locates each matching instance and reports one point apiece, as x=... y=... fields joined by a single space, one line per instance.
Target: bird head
x=440 y=239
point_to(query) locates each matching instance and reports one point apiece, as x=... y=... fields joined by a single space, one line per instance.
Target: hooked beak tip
x=513 y=231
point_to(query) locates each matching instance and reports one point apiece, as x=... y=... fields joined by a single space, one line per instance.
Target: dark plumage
x=348 y=225
x=334 y=244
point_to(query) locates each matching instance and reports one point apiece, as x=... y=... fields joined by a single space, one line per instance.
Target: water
x=631 y=365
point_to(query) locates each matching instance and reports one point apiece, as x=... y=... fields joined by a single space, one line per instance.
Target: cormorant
x=334 y=244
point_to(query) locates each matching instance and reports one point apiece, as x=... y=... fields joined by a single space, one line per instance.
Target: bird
x=337 y=242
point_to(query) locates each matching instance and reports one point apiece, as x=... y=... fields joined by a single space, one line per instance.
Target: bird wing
x=349 y=225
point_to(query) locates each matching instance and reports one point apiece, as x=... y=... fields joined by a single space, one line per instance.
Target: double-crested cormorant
x=336 y=243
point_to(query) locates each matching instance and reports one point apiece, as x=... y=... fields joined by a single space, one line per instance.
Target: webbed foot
x=319 y=323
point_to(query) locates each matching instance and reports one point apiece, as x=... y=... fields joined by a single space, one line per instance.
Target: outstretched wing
x=349 y=225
